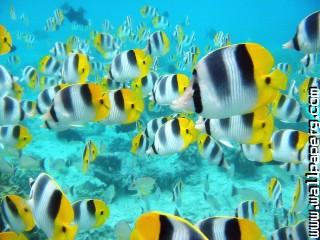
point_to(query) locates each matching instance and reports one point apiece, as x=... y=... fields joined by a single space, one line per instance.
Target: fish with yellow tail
x=16 y=136
x=158 y=44
x=211 y=150
x=90 y=154
x=307 y=36
x=158 y=225
x=260 y=152
x=144 y=84
x=90 y=213
x=129 y=65
x=247 y=209
x=12 y=236
x=11 y=111
x=76 y=105
x=174 y=136
x=6 y=45
x=169 y=88
x=250 y=128
x=275 y=192
x=50 y=66
x=230 y=228
x=126 y=107
x=76 y=68
x=221 y=78
x=289 y=145
x=17 y=214
x=52 y=211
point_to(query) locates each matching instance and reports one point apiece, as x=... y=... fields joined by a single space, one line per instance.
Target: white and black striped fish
x=11 y=111
x=45 y=98
x=247 y=209
x=275 y=193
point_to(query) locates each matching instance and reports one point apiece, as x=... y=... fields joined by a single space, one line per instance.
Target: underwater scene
x=169 y=120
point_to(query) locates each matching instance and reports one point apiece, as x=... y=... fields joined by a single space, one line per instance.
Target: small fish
x=29 y=107
x=148 y=11
x=140 y=144
x=230 y=228
x=76 y=68
x=29 y=39
x=14 y=60
x=30 y=76
x=173 y=136
x=90 y=213
x=90 y=154
x=76 y=105
x=105 y=43
x=145 y=84
x=284 y=67
x=169 y=88
x=143 y=185
x=309 y=60
x=290 y=145
x=11 y=111
x=190 y=59
x=6 y=45
x=305 y=86
x=126 y=107
x=250 y=128
x=46 y=196
x=177 y=193
x=275 y=193
x=160 y=22
x=307 y=36
x=61 y=50
x=17 y=214
x=287 y=109
x=216 y=95
x=158 y=44
x=16 y=136
x=129 y=65
x=157 y=225
x=247 y=209
x=49 y=65
x=122 y=230
x=300 y=196
x=12 y=12
x=153 y=125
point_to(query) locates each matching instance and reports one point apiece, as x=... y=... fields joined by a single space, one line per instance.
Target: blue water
x=270 y=23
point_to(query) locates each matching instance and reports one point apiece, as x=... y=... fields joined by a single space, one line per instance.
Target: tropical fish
x=158 y=44
x=49 y=65
x=148 y=11
x=260 y=152
x=145 y=84
x=157 y=225
x=17 y=214
x=284 y=67
x=14 y=60
x=300 y=196
x=30 y=76
x=11 y=111
x=129 y=65
x=173 y=136
x=45 y=98
x=296 y=232
x=305 y=86
x=90 y=213
x=126 y=107
x=90 y=154
x=29 y=107
x=275 y=192
x=230 y=228
x=140 y=144
x=52 y=211
x=211 y=150
x=247 y=209
x=76 y=68
x=214 y=93
x=77 y=104
x=105 y=43
x=153 y=125
x=61 y=50
x=6 y=45
x=169 y=88
x=250 y=128
x=307 y=36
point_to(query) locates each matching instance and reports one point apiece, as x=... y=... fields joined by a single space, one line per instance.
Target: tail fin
x=287 y=45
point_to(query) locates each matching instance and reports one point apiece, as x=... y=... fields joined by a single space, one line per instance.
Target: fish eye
x=268 y=80
x=24 y=138
x=101 y=212
x=132 y=106
x=144 y=62
x=64 y=229
x=263 y=125
x=187 y=131
x=5 y=39
x=25 y=209
x=101 y=101
x=83 y=70
x=269 y=145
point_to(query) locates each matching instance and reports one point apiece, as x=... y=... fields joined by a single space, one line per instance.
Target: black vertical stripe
x=206 y=142
x=119 y=100
x=48 y=62
x=66 y=99
x=4 y=213
x=291 y=107
x=76 y=62
x=174 y=83
x=3 y=131
x=162 y=135
x=214 y=151
x=131 y=58
x=16 y=131
x=38 y=108
x=76 y=210
x=277 y=137
x=144 y=80
x=154 y=125
x=13 y=208
x=91 y=207
x=40 y=188
x=166 y=228
x=248 y=119
x=156 y=40
x=281 y=101
x=175 y=126
x=206 y=228
x=54 y=204
x=293 y=139
x=295 y=42
x=245 y=65
x=8 y=105
x=207 y=126
x=302 y=231
x=197 y=101
x=22 y=114
x=53 y=114
x=45 y=97
x=245 y=209
x=162 y=85
x=141 y=140
x=117 y=63
x=232 y=229
x=86 y=94
x=224 y=123
x=217 y=71
x=312 y=27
